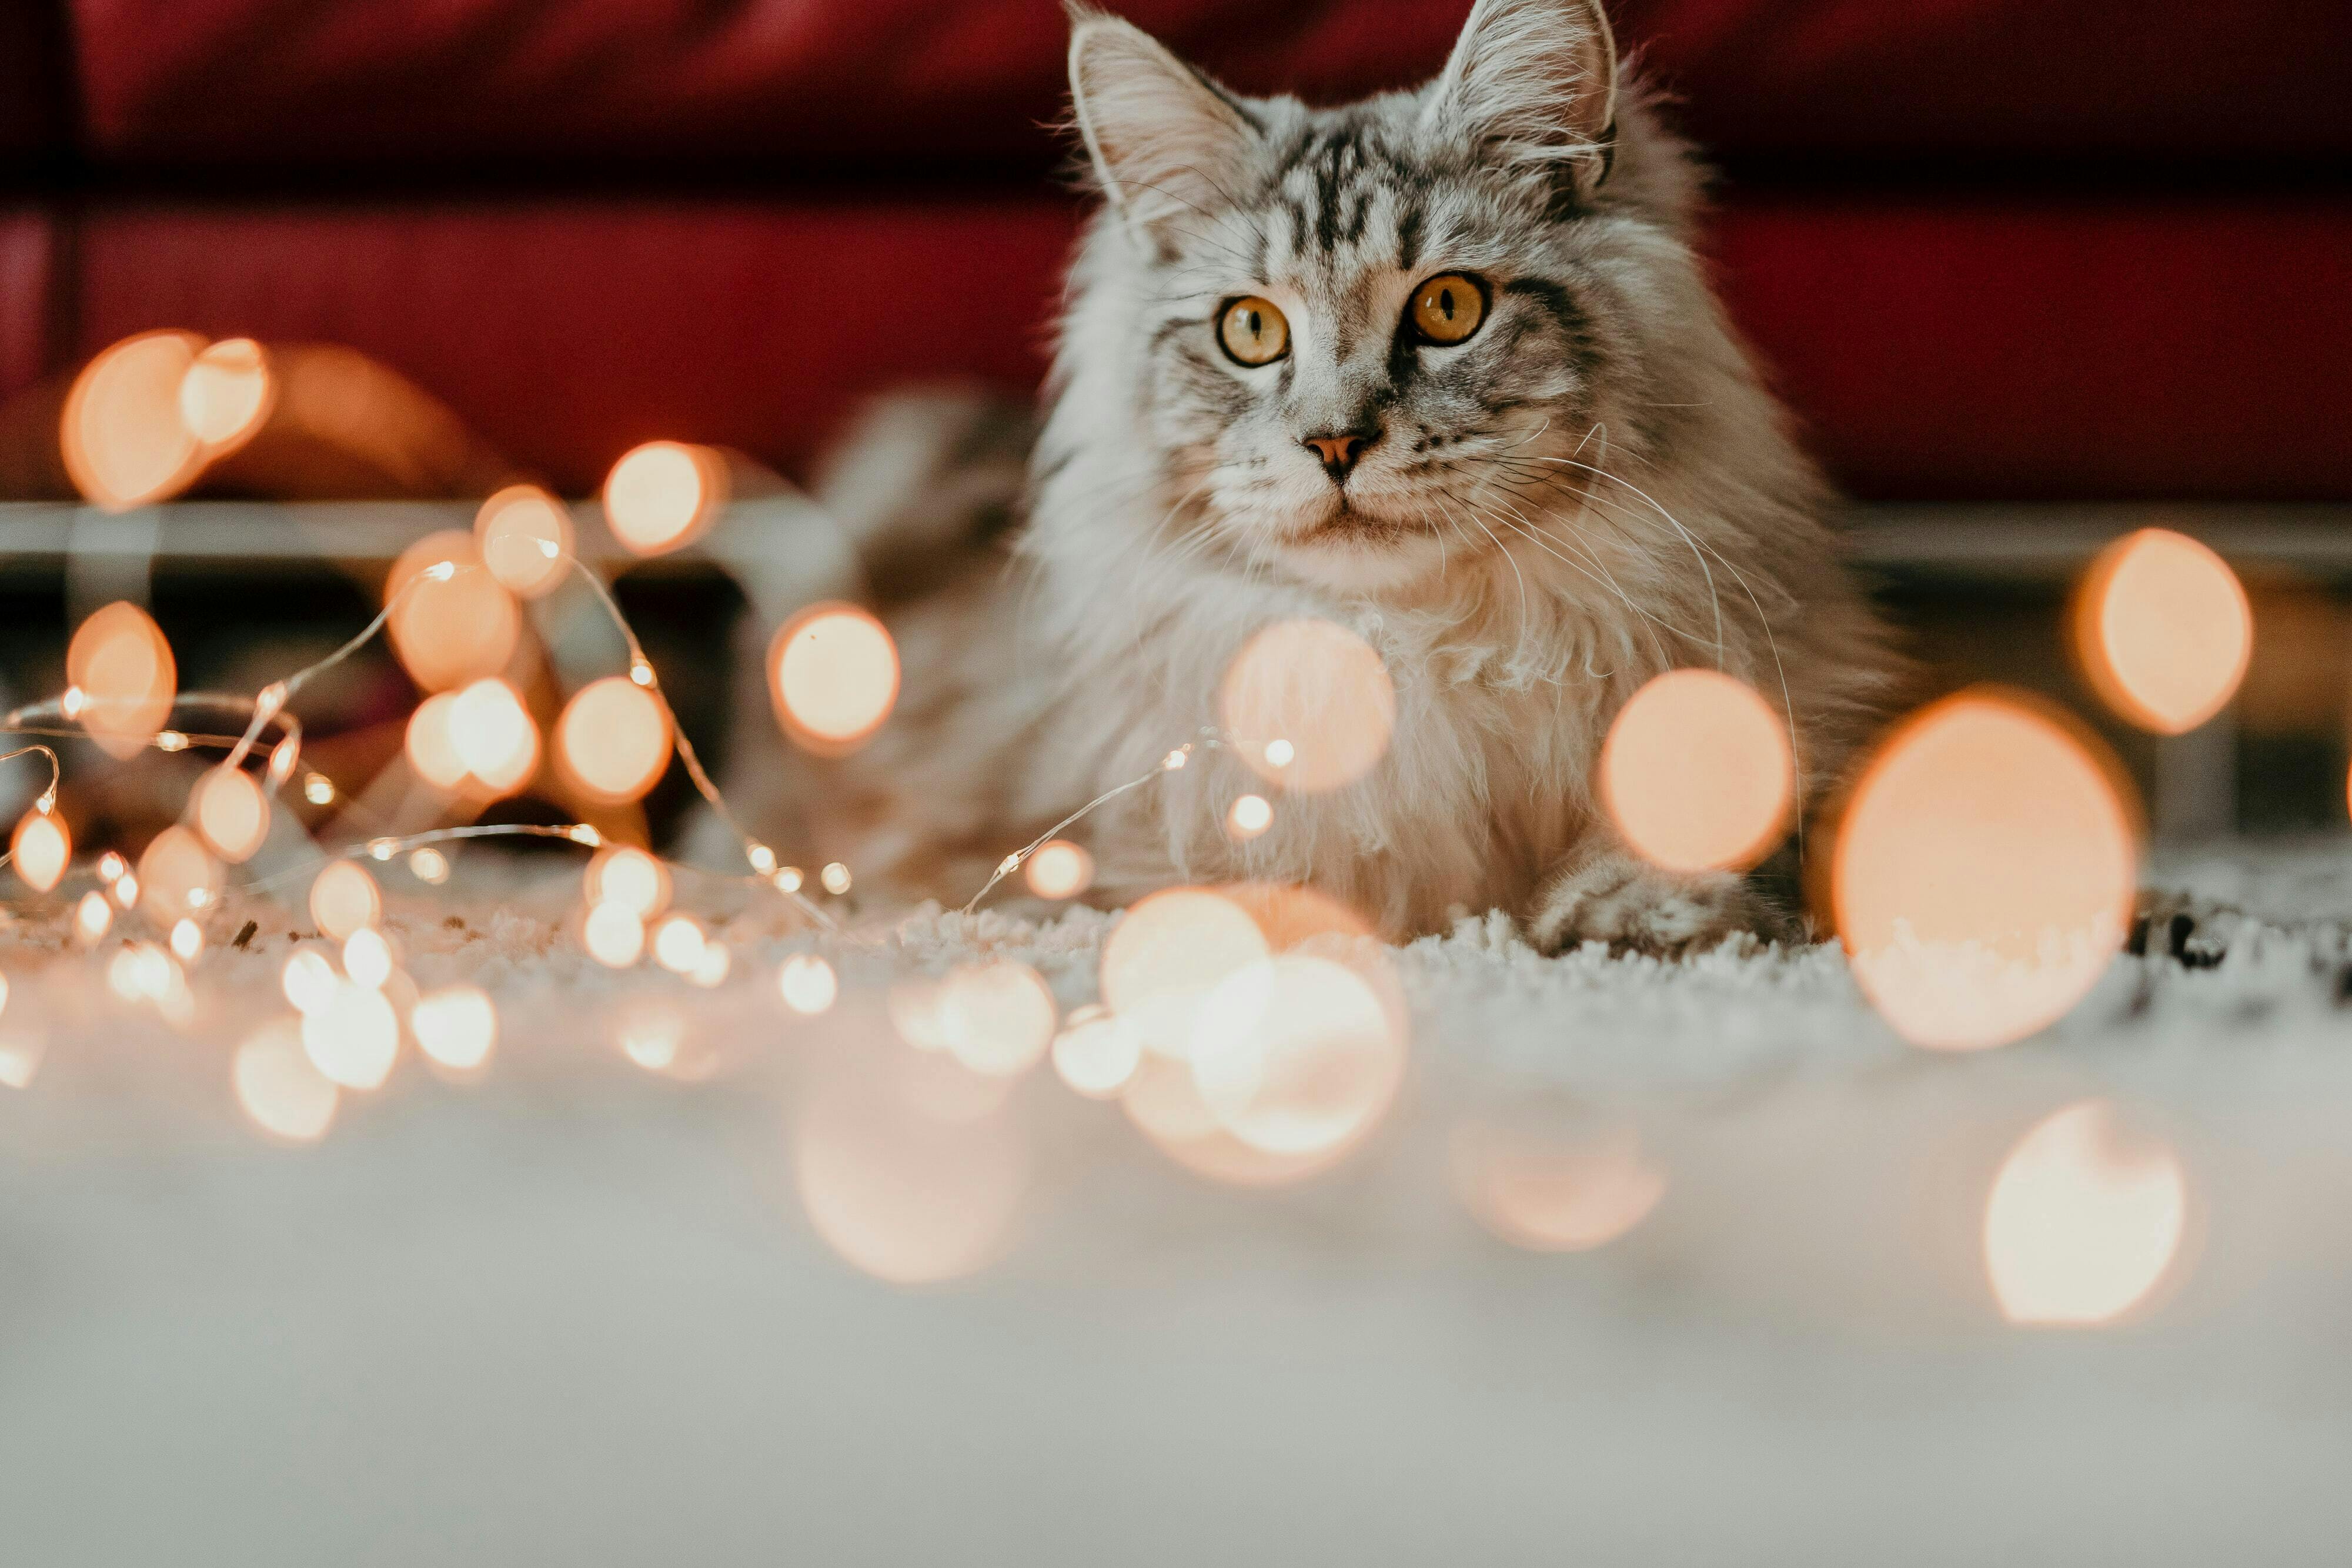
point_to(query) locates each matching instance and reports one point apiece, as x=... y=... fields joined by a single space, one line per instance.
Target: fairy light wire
x=686 y=755
x=270 y=704
x=46 y=802
x=1014 y=862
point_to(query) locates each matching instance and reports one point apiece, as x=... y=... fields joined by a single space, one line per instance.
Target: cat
x=1443 y=367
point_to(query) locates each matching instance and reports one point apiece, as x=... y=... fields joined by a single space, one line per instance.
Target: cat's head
x=1370 y=335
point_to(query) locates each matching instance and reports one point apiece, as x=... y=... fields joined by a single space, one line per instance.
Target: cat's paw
x=1636 y=907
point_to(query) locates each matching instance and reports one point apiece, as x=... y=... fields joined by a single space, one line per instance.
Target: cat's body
x=1528 y=524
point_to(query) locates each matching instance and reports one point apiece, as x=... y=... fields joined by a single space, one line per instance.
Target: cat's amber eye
x=1448 y=308
x=1254 y=332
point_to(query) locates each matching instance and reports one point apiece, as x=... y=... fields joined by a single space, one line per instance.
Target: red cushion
x=812 y=84
x=567 y=332
x=2166 y=350
x=24 y=299
x=2011 y=352
x=34 y=71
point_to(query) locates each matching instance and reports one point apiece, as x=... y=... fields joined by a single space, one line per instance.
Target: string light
x=2084 y=1221
x=232 y=815
x=1696 y=772
x=2163 y=630
x=1983 y=873
x=1097 y=1052
x=122 y=672
x=678 y=944
x=1319 y=691
x=997 y=1017
x=367 y=957
x=629 y=878
x=278 y=1086
x=525 y=538
x=123 y=437
x=451 y=620
x=344 y=900
x=353 y=1039
x=308 y=980
x=615 y=935
x=226 y=394
x=833 y=671
x=613 y=741
x=1548 y=1194
x=807 y=984
x=40 y=850
x=662 y=494
x=456 y=1026
x=1059 y=869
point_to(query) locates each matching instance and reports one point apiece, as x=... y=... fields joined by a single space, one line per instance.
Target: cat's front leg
x=1618 y=898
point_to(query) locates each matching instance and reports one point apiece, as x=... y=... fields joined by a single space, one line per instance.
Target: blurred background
x=298 y=296
x=2034 y=275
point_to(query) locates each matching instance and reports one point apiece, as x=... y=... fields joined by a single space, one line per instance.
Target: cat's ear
x=1165 y=141
x=1533 y=81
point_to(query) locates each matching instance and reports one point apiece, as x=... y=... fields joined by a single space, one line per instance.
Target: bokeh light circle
x=807 y=984
x=177 y=876
x=997 y=1018
x=231 y=813
x=344 y=900
x=613 y=740
x=226 y=393
x=1296 y=1055
x=2163 y=630
x=493 y=736
x=456 y=1027
x=1097 y=1053
x=124 y=439
x=430 y=749
x=354 y=1038
x=1059 y=869
x=121 y=665
x=525 y=538
x=907 y=1199
x=40 y=850
x=1167 y=954
x=629 y=878
x=1984 y=872
x=1696 y=772
x=833 y=675
x=1554 y=1193
x=279 y=1088
x=2082 y=1221
x=1313 y=690
x=661 y=495
x=448 y=631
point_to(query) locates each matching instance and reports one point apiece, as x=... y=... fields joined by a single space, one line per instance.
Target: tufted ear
x=1163 y=138
x=1533 y=81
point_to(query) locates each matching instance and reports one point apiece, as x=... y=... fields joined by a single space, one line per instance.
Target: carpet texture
x=579 y=1311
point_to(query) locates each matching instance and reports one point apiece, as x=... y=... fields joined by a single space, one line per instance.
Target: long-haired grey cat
x=1443 y=367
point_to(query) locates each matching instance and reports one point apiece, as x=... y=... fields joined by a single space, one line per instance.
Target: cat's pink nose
x=1339 y=453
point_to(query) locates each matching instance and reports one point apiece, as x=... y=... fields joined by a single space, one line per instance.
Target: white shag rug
x=581 y=1312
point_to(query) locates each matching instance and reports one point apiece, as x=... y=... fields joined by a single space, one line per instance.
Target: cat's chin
x=1362 y=560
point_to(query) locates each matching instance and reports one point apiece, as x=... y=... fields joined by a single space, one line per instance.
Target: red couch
x=1993 y=249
